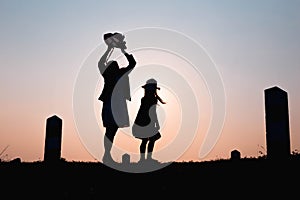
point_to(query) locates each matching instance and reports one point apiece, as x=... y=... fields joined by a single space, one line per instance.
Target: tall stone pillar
x=52 y=151
x=277 y=123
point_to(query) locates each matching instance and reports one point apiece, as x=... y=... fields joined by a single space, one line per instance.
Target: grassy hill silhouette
x=241 y=178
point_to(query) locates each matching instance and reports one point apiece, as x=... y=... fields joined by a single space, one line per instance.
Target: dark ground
x=240 y=179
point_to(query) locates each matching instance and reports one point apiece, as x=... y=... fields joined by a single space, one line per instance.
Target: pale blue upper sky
x=255 y=44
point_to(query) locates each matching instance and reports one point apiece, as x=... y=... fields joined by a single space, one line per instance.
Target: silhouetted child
x=146 y=126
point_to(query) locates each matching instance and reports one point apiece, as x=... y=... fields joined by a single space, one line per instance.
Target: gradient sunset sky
x=44 y=45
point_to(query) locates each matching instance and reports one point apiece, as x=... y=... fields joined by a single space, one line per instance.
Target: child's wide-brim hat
x=151 y=84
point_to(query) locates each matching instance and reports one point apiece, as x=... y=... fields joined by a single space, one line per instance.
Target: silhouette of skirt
x=149 y=131
x=115 y=114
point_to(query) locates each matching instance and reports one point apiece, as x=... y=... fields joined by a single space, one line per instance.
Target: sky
x=212 y=59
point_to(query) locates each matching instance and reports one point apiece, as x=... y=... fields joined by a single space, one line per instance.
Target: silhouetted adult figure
x=146 y=125
x=116 y=91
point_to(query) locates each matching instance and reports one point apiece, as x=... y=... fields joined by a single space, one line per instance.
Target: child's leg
x=143 y=149
x=151 y=143
x=150 y=148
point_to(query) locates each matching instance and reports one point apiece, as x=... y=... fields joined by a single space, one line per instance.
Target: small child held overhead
x=146 y=126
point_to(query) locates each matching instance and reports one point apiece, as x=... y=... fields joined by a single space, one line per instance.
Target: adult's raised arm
x=131 y=61
x=102 y=61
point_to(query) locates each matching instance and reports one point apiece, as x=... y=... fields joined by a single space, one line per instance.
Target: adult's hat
x=151 y=84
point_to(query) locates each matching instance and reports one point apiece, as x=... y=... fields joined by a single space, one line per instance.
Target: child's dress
x=146 y=123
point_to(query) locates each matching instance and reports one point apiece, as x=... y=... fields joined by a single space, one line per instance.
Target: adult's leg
x=109 y=136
